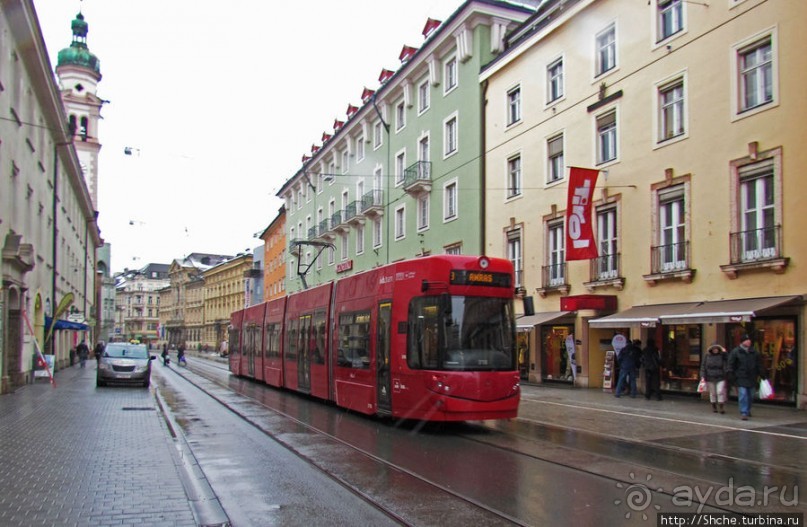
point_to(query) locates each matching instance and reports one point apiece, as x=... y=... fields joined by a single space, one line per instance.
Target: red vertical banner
x=580 y=242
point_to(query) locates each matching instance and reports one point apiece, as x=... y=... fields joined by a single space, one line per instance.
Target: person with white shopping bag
x=745 y=365
x=714 y=369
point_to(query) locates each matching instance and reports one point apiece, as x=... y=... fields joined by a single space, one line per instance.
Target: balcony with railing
x=670 y=262
x=353 y=213
x=324 y=231
x=553 y=279
x=418 y=178
x=605 y=271
x=756 y=249
x=339 y=221
x=372 y=203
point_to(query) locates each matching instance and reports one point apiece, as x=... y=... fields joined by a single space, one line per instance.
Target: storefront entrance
x=555 y=362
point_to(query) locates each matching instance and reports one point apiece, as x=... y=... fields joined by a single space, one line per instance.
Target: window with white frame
x=450 y=75
x=450 y=203
x=423 y=96
x=671 y=108
x=400 y=116
x=345 y=159
x=377 y=233
x=360 y=148
x=556 y=254
x=514 y=176
x=400 y=167
x=554 y=159
x=606 y=50
x=400 y=222
x=423 y=212
x=332 y=170
x=514 y=254
x=450 y=136
x=455 y=248
x=755 y=66
x=554 y=80
x=672 y=249
x=606 y=137
x=300 y=199
x=343 y=247
x=424 y=151
x=378 y=134
x=331 y=255
x=607 y=262
x=514 y=105
x=359 y=239
x=758 y=212
x=670 y=18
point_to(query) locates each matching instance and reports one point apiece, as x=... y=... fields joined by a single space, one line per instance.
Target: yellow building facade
x=692 y=117
x=225 y=292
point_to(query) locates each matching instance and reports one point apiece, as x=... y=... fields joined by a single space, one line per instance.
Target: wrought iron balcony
x=669 y=258
x=553 y=278
x=372 y=203
x=756 y=245
x=670 y=261
x=756 y=249
x=353 y=213
x=418 y=178
x=339 y=221
x=605 y=271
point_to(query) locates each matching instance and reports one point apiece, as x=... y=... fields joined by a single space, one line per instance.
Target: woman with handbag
x=714 y=370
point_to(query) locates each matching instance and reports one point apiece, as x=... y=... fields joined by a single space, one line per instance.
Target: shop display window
x=555 y=362
x=775 y=339
x=681 y=358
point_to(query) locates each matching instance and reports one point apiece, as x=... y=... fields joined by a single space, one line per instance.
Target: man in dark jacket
x=744 y=366
x=651 y=361
x=628 y=364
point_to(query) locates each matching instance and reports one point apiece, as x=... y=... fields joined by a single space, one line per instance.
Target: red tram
x=430 y=339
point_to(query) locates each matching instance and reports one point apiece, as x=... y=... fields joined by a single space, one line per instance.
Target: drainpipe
x=483 y=201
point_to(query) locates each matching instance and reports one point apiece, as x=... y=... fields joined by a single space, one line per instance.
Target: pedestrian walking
x=651 y=362
x=628 y=363
x=83 y=351
x=165 y=355
x=714 y=369
x=744 y=366
x=99 y=350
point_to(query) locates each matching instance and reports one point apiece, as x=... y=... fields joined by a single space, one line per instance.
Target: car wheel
x=146 y=383
x=99 y=383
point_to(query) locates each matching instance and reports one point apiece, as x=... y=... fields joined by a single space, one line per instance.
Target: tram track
x=443 y=500
x=616 y=460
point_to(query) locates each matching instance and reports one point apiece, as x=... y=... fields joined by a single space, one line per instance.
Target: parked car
x=124 y=362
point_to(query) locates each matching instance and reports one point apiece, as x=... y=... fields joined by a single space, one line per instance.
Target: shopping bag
x=765 y=389
x=702 y=386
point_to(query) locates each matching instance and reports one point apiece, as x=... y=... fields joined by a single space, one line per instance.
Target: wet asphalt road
x=533 y=474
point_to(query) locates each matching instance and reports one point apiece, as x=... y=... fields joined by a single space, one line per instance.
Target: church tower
x=79 y=72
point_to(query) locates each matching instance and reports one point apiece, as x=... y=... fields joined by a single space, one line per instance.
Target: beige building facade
x=225 y=292
x=692 y=117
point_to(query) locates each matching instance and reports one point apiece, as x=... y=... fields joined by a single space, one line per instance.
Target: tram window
x=354 y=340
x=318 y=331
x=461 y=333
x=291 y=339
x=234 y=342
x=272 y=339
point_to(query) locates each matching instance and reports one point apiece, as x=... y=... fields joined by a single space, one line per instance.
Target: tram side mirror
x=529 y=306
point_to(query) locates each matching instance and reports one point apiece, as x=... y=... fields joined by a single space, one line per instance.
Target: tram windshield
x=461 y=333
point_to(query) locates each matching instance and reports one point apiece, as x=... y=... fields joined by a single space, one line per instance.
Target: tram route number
x=664 y=519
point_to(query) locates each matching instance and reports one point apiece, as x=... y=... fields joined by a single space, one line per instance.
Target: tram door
x=382 y=357
x=249 y=348
x=304 y=354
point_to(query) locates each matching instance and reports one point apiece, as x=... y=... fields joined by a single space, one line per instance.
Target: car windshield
x=126 y=351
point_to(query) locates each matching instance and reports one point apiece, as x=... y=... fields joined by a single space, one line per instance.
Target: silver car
x=123 y=362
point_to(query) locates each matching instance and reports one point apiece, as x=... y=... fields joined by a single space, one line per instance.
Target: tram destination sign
x=486 y=278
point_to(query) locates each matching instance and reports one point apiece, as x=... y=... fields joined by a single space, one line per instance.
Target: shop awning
x=725 y=311
x=540 y=318
x=642 y=316
x=66 y=324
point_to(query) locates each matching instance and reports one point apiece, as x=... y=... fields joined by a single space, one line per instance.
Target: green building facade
x=403 y=175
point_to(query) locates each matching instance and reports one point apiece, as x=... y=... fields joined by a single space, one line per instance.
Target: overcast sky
x=219 y=101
